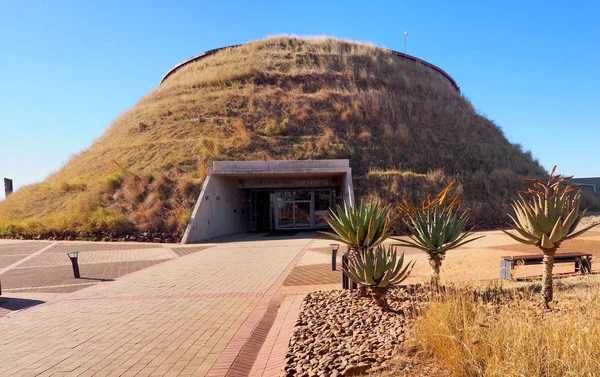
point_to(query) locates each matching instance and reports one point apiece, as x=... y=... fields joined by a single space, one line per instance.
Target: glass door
x=293 y=209
x=253 y=211
x=284 y=210
x=302 y=214
x=285 y=215
x=302 y=209
x=323 y=200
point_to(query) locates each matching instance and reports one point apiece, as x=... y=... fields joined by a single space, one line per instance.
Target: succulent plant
x=436 y=227
x=378 y=268
x=362 y=227
x=545 y=216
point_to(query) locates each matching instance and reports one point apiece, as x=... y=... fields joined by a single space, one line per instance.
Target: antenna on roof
x=405 y=34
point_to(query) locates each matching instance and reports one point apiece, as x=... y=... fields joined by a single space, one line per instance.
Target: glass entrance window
x=285 y=215
x=284 y=196
x=322 y=205
x=303 y=195
x=302 y=208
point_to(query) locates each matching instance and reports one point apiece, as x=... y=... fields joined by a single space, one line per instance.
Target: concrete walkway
x=189 y=316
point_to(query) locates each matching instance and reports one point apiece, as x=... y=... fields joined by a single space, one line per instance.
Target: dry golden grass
x=519 y=338
x=279 y=98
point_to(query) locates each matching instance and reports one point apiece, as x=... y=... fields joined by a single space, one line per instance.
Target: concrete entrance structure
x=242 y=196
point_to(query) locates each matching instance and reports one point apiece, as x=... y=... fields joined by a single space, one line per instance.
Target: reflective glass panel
x=322 y=200
x=285 y=215
x=302 y=214
x=284 y=196
x=302 y=195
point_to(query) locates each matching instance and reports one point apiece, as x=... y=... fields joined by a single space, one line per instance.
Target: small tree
x=545 y=216
x=436 y=227
x=362 y=227
x=378 y=268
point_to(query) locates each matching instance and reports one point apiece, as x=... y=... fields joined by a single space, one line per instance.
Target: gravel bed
x=340 y=333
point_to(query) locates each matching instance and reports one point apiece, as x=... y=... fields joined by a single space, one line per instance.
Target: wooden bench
x=583 y=262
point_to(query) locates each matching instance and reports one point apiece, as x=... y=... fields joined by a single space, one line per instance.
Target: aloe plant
x=362 y=227
x=436 y=227
x=545 y=216
x=378 y=268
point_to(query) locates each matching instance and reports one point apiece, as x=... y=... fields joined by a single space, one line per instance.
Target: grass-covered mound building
x=402 y=123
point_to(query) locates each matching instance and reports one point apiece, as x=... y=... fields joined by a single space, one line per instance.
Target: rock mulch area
x=340 y=333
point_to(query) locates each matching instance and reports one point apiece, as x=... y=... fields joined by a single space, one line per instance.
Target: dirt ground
x=477 y=261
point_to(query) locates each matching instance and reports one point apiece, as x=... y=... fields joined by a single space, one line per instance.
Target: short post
x=345 y=279
x=73 y=257
x=347 y=283
x=334 y=250
x=506 y=267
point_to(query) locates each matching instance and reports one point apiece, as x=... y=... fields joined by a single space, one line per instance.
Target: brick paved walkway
x=188 y=316
x=43 y=267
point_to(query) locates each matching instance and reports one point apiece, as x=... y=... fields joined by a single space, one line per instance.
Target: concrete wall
x=588 y=181
x=297 y=166
x=222 y=209
x=347 y=189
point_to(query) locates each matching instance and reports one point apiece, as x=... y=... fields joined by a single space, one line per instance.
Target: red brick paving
x=181 y=251
x=184 y=317
x=245 y=359
x=271 y=356
x=65 y=247
x=8 y=305
x=43 y=267
x=35 y=278
x=227 y=364
x=22 y=248
x=7 y=260
x=313 y=274
x=257 y=348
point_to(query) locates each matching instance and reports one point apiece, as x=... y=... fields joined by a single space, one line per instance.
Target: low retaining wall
x=203 y=55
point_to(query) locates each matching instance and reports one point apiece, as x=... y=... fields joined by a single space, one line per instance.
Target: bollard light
x=334 y=249
x=73 y=257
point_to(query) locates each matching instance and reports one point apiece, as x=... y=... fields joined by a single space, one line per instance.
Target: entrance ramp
x=229 y=202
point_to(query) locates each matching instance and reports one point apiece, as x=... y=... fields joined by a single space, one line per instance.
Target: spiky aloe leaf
x=359 y=226
x=435 y=231
x=548 y=213
x=518 y=239
x=573 y=235
x=378 y=267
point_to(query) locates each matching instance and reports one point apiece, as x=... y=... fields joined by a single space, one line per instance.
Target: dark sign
x=280 y=183
x=8 y=186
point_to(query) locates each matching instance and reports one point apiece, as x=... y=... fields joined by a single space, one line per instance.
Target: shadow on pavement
x=95 y=279
x=12 y=304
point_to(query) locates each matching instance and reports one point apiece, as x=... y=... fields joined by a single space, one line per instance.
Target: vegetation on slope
x=405 y=129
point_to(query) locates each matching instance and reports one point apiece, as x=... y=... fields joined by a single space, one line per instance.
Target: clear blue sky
x=68 y=68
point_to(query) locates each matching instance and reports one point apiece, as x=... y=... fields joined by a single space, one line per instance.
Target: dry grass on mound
x=280 y=98
x=116 y=205
x=518 y=339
